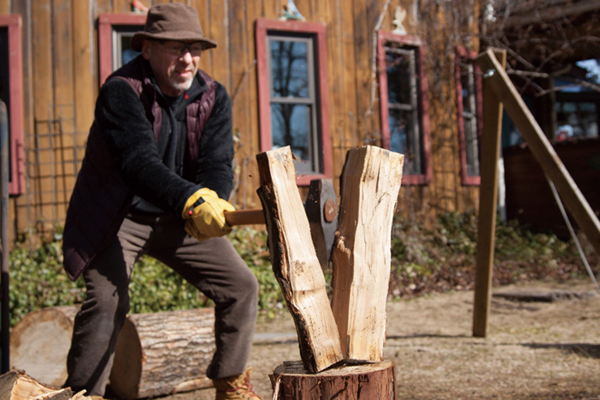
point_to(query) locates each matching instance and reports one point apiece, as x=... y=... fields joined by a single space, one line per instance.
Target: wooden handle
x=245 y=217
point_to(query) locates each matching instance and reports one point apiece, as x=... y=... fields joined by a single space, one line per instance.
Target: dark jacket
x=126 y=157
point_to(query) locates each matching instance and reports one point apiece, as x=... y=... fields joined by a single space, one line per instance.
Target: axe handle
x=245 y=217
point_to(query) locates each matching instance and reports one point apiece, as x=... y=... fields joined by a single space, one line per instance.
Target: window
x=403 y=103
x=577 y=104
x=293 y=94
x=468 y=105
x=11 y=92
x=114 y=37
x=577 y=115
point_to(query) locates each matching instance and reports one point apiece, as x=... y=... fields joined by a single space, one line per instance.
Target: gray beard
x=183 y=86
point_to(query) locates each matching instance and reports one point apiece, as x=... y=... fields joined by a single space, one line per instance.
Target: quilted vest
x=100 y=199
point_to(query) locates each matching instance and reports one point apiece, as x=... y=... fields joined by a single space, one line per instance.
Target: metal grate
x=52 y=157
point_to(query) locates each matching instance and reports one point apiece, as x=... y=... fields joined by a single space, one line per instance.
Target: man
x=154 y=180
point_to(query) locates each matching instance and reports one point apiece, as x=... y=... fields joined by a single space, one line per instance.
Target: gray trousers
x=212 y=266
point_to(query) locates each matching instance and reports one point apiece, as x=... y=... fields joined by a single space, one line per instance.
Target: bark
x=17 y=385
x=157 y=353
x=360 y=382
x=163 y=353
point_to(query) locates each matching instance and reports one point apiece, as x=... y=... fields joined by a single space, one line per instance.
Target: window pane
x=399 y=72
x=467 y=79
x=121 y=39
x=289 y=68
x=291 y=126
x=127 y=53
x=471 y=146
x=402 y=124
x=576 y=119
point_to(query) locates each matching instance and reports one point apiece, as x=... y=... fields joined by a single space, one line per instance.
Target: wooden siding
x=529 y=196
x=61 y=80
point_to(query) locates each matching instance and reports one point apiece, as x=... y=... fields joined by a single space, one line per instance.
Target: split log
x=295 y=262
x=157 y=353
x=40 y=342
x=290 y=381
x=361 y=255
x=163 y=353
x=17 y=385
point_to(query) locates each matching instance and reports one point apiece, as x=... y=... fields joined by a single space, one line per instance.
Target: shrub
x=424 y=260
x=443 y=257
x=37 y=280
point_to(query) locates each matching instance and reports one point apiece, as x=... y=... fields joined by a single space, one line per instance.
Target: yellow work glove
x=204 y=213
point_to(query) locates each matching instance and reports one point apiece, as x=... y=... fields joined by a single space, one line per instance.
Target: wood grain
x=361 y=255
x=295 y=261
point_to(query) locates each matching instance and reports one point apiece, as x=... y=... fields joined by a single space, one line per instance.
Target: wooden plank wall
x=61 y=83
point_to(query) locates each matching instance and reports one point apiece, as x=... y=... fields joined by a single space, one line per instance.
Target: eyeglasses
x=178 y=49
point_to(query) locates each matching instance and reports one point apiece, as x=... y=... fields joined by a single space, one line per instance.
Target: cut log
x=156 y=354
x=361 y=255
x=40 y=342
x=360 y=382
x=163 y=353
x=17 y=385
x=295 y=262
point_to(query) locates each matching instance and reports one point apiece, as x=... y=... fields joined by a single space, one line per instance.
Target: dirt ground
x=534 y=350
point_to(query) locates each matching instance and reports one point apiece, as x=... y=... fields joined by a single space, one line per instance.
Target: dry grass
x=533 y=350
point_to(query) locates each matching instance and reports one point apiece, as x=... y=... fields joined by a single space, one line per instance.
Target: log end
x=127 y=367
x=40 y=342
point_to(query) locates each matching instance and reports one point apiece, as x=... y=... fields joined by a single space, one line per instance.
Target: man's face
x=174 y=63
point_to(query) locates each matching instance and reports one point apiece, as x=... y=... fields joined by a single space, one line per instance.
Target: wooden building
x=553 y=48
x=394 y=73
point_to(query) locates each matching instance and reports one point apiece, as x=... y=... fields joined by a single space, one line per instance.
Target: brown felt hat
x=172 y=21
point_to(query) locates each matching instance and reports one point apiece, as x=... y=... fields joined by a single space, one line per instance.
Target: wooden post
x=541 y=148
x=295 y=261
x=361 y=256
x=488 y=197
x=498 y=91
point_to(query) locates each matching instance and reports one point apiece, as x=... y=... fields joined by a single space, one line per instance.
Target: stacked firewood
x=17 y=385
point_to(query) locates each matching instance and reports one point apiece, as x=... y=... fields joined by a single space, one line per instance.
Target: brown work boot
x=236 y=387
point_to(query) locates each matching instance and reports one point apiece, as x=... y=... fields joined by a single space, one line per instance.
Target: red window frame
x=462 y=53
x=107 y=24
x=319 y=30
x=384 y=37
x=13 y=24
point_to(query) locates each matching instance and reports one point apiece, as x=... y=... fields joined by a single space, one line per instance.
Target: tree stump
x=290 y=381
